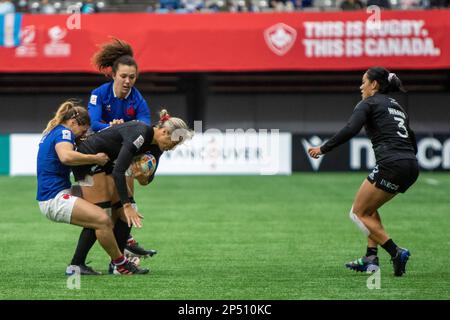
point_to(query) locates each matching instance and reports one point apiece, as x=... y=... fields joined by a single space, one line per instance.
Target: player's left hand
x=133 y=217
x=116 y=121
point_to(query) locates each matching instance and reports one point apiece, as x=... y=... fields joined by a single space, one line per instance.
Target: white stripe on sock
x=124 y=260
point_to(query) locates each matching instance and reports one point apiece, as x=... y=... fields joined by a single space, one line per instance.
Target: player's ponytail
x=111 y=54
x=387 y=81
x=395 y=84
x=69 y=109
x=175 y=126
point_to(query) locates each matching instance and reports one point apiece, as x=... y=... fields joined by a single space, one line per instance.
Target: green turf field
x=282 y=237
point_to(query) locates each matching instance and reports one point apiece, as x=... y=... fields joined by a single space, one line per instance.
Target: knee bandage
x=359 y=223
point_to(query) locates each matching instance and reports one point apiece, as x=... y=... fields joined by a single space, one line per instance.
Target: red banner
x=237 y=42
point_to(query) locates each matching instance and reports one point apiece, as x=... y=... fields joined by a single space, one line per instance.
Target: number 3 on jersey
x=401 y=125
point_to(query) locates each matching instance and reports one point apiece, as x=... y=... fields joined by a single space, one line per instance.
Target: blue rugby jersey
x=52 y=175
x=104 y=107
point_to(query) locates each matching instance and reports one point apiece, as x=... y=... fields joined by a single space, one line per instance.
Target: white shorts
x=59 y=209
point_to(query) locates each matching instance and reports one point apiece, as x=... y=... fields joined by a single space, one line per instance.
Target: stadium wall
x=317 y=112
x=296 y=113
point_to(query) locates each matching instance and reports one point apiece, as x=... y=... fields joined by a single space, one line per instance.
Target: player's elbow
x=115 y=174
x=66 y=158
x=96 y=126
x=352 y=130
x=118 y=174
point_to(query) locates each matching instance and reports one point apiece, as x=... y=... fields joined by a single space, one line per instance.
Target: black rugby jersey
x=386 y=124
x=122 y=143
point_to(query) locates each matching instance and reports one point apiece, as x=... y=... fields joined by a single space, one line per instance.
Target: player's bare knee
x=108 y=223
x=104 y=222
x=357 y=221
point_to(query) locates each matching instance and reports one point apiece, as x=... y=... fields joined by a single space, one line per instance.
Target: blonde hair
x=176 y=126
x=69 y=109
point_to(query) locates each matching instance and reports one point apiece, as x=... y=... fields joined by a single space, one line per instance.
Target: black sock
x=85 y=243
x=371 y=251
x=390 y=247
x=121 y=232
x=87 y=240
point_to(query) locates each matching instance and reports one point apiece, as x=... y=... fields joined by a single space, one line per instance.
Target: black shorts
x=80 y=172
x=395 y=176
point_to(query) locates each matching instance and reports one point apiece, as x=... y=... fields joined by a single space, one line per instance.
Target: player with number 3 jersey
x=394 y=143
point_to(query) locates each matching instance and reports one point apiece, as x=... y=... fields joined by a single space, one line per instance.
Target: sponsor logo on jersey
x=93 y=99
x=66 y=135
x=139 y=142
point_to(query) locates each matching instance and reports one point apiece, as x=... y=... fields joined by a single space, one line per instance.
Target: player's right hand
x=314 y=152
x=133 y=217
x=101 y=158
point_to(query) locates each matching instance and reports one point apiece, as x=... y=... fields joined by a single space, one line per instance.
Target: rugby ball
x=148 y=163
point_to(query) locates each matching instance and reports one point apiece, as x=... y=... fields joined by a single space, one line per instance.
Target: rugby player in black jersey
x=387 y=125
x=106 y=184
